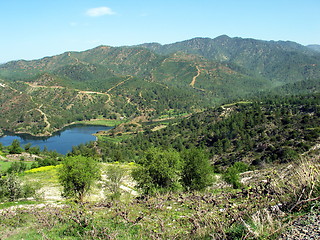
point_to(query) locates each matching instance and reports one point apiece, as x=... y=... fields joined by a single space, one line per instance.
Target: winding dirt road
x=195 y=77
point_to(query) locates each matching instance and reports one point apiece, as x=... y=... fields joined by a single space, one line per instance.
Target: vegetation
x=77 y=175
x=15 y=147
x=232 y=174
x=197 y=171
x=159 y=171
x=177 y=164
x=257 y=133
x=115 y=178
x=43 y=96
x=222 y=214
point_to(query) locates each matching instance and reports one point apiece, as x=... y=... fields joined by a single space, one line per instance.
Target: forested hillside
x=279 y=61
x=149 y=80
x=259 y=132
x=315 y=47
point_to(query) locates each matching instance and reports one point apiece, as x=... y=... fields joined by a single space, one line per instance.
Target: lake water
x=61 y=141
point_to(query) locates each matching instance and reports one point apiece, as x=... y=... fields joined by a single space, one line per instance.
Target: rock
x=305 y=227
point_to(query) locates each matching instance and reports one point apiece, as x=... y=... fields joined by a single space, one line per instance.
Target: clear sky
x=32 y=29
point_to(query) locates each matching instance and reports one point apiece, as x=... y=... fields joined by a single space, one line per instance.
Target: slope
x=135 y=81
x=280 y=61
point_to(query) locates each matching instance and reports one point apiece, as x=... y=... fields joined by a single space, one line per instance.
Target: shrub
x=159 y=171
x=232 y=174
x=77 y=176
x=15 y=148
x=10 y=188
x=17 y=167
x=232 y=177
x=115 y=176
x=197 y=171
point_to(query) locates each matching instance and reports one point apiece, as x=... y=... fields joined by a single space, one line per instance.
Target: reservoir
x=61 y=141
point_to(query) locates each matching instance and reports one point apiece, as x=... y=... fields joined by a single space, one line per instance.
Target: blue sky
x=32 y=29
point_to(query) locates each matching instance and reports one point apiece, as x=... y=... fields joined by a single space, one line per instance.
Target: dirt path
x=91 y=92
x=195 y=77
x=45 y=118
x=80 y=91
x=41 y=86
x=120 y=83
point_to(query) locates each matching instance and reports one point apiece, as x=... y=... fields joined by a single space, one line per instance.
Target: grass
x=46 y=176
x=219 y=213
x=232 y=104
x=102 y=122
x=115 y=139
x=5 y=165
x=171 y=114
x=23 y=202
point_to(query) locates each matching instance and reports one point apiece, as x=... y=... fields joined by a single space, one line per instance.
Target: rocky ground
x=305 y=227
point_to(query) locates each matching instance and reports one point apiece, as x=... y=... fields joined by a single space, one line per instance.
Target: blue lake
x=61 y=141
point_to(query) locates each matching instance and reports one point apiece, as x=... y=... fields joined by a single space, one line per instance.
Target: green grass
x=46 y=177
x=232 y=104
x=10 y=204
x=171 y=114
x=102 y=122
x=115 y=139
x=4 y=165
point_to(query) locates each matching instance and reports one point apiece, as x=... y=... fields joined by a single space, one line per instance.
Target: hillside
x=279 y=61
x=315 y=47
x=276 y=196
x=150 y=80
x=263 y=131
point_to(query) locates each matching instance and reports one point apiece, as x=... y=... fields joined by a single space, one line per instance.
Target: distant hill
x=314 y=47
x=276 y=60
x=149 y=80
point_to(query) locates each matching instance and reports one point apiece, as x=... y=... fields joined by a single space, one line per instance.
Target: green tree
x=15 y=148
x=17 y=167
x=197 y=171
x=77 y=176
x=160 y=171
x=27 y=147
x=11 y=188
x=115 y=177
x=232 y=174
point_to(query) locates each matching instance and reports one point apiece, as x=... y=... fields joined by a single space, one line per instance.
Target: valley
x=165 y=76
x=207 y=139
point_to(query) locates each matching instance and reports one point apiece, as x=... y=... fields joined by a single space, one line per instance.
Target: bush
x=17 y=167
x=232 y=174
x=197 y=171
x=232 y=177
x=115 y=176
x=160 y=171
x=77 y=176
x=287 y=154
x=15 y=148
x=11 y=188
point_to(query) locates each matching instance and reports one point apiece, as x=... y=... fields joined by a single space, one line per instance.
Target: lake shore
x=93 y=122
x=62 y=141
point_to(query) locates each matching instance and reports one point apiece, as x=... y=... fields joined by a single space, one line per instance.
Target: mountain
x=149 y=80
x=276 y=60
x=314 y=47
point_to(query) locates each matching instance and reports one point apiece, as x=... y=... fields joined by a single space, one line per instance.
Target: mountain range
x=314 y=47
x=41 y=96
